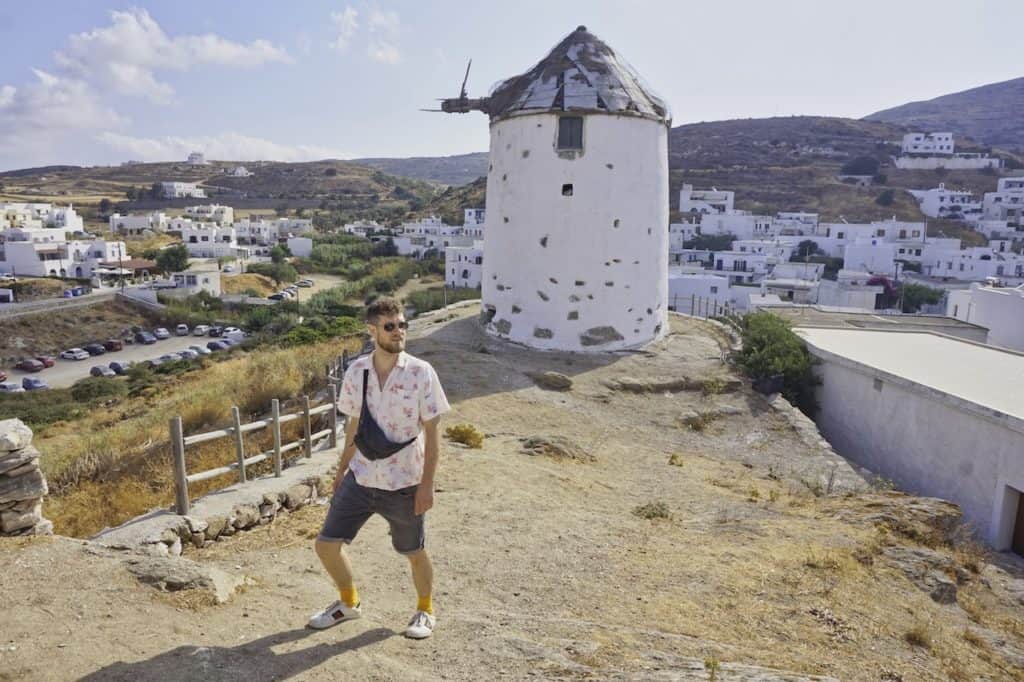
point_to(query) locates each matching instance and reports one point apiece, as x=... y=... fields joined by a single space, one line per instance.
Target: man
x=404 y=398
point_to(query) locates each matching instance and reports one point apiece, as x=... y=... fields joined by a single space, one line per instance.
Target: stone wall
x=22 y=485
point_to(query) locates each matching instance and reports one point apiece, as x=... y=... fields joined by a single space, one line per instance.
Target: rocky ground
x=636 y=516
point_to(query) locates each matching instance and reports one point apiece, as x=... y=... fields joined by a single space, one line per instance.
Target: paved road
x=66 y=372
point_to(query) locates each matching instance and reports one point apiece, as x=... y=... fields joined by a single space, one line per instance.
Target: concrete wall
x=929 y=443
x=581 y=272
x=932 y=162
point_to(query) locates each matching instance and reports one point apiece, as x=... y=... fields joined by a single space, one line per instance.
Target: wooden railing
x=237 y=431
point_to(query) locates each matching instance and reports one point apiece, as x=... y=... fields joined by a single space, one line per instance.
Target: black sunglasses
x=390 y=326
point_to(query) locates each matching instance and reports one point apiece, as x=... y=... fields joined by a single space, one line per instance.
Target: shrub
x=886 y=198
x=711 y=242
x=98 y=387
x=436 y=297
x=467 y=434
x=916 y=295
x=771 y=348
x=653 y=510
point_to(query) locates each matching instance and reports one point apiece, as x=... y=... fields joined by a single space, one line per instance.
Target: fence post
x=275 y=409
x=693 y=299
x=180 y=480
x=332 y=416
x=344 y=360
x=239 y=444
x=307 y=423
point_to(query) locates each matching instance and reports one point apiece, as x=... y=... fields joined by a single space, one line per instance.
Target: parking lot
x=66 y=372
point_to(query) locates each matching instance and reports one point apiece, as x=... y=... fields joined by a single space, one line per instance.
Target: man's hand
x=338 y=478
x=424 y=498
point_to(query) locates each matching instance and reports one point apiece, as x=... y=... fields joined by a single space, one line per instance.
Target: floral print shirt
x=412 y=394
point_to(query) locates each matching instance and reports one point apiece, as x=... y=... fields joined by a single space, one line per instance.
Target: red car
x=30 y=365
x=47 y=360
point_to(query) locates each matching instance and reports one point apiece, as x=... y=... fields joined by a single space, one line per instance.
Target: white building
x=210 y=241
x=687 y=290
x=197 y=159
x=940 y=202
x=136 y=225
x=705 y=201
x=929 y=144
x=179 y=190
x=239 y=172
x=473 y=222
x=19 y=214
x=577 y=202
x=190 y=282
x=939 y=416
x=211 y=213
x=741 y=267
x=1006 y=203
x=266 y=232
x=300 y=246
x=28 y=253
x=998 y=308
x=850 y=289
x=463 y=265
x=871 y=254
x=364 y=228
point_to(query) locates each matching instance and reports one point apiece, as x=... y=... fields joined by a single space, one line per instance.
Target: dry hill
x=657 y=520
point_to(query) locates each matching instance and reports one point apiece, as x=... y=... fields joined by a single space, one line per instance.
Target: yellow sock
x=425 y=604
x=350 y=596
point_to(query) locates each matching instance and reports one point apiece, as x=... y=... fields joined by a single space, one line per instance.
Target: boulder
x=324 y=485
x=27 y=487
x=556 y=447
x=14 y=459
x=14 y=435
x=246 y=516
x=552 y=381
x=26 y=468
x=215 y=527
x=44 y=527
x=174 y=575
x=11 y=521
x=196 y=525
x=297 y=496
x=931 y=571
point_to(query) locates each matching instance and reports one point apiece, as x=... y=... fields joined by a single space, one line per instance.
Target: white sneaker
x=421 y=626
x=337 y=612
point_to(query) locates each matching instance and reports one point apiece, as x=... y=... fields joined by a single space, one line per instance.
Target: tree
x=105 y=205
x=278 y=254
x=886 y=198
x=130 y=193
x=916 y=295
x=807 y=247
x=861 y=165
x=770 y=348
x=711 y=242
x=281 y=209
x=156 y=191
x=173 y=258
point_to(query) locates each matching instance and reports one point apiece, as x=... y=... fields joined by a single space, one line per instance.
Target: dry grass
x=467 y=434
x=122 y=456
x=239 y=284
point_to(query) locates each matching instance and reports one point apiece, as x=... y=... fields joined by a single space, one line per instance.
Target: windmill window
x=570 y=133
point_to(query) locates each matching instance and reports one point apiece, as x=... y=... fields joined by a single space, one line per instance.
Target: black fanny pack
x=372 y=442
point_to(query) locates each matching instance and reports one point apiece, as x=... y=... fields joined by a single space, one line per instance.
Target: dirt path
x=544 y=570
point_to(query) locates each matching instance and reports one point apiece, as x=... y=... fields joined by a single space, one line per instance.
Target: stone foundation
x=22 y=484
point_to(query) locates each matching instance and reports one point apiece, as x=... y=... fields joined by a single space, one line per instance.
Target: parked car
x=276 y=297
x=200 y=350
x=74 y=354
x=216 y=330
x=33 y=384
x=218 y=345
x=30 y=365
x=121 y=366
x=200 y=330
x=113 y=345
x=3 y=375
x=145 y=337
x=188 y=354
x=170 y=357
x=231 y=330
x=47 y=360
x=181 y=330
x=161 y=333
x=304 y=283
x=155 y=362
x=94 y=348
x=11 y=387
x=102 y=371
x=229 y=268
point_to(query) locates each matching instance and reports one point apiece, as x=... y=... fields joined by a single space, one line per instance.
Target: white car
x=231 y=330
x=201 y=330
x=181 y=330
x=75 y=354
x=188 y=354
x=11 y=387
x=201 y=350
x=161 y=333
x=229 y=268
x=170 y=357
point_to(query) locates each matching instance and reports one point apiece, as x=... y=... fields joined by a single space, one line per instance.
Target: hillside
x=446 y=170
x=990 y=114
x=633 y=526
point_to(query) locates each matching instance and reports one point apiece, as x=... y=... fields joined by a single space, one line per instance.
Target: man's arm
x=431 y=455
x=348 y=451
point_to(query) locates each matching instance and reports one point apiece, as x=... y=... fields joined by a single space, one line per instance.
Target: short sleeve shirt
x=412 y=394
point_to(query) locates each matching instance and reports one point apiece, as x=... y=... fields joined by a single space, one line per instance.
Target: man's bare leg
x=335 y=560
x=422 y=578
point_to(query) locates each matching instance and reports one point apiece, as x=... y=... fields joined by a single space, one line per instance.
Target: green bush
x=886 y=198
x=916 y=295
x=771 y=348
x=98 y=387
x=39 y=408
x=435 y=297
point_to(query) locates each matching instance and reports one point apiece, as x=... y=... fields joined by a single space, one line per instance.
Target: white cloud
x=386 y=53
x=345 y=23
x=384 y=22
x=7 y=93
x=228 y=146
x=126 y=55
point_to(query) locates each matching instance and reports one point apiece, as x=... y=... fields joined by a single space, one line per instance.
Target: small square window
x=567 y=190
x=570 y=133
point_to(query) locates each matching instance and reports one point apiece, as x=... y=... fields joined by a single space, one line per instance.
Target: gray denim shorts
x=353 y=504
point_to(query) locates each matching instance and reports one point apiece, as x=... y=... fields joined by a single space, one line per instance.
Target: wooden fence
x=179 y=442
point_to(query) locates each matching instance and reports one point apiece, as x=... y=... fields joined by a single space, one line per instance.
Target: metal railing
x=237 y=431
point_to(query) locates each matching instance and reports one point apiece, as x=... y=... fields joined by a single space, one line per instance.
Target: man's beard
x=392 y=346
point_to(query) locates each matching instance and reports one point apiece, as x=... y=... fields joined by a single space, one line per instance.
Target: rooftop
x=823 y=316
x=983 y=375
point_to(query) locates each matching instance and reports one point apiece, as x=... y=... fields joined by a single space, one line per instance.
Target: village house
x=40 y=215
x=204 y=240
x=1006 y=203
x=179 y=190
x=463 y=265
x=937 y=150
x=137 y=225
x=211 y=213
x=954 y=204
x=1001 y=309
x=705 y=201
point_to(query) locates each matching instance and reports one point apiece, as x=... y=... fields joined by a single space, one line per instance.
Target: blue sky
x=99 y=83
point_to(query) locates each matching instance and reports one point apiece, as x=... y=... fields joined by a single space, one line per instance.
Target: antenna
x=462 y=92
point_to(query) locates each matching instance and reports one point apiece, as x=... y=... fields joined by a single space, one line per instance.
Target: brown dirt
x=239 y=284
x=543 y=570
x=55 y=330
